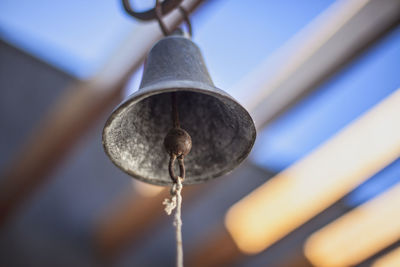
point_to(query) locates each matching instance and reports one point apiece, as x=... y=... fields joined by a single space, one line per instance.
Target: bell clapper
x=178 y=143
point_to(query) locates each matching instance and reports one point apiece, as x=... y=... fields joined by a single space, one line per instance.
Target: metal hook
x=166 y=7
x=182 y=172
x=185 y=15
x=163 y=27
x=158 y=13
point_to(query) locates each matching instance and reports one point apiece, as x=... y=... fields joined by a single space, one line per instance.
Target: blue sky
x=339 y=101
x=75 y=36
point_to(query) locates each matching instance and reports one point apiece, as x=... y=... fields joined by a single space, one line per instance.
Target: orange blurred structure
x=314 y=183
x=359 y=234
x=391 y=259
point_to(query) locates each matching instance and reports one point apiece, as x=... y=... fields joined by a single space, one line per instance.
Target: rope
x=170 y=205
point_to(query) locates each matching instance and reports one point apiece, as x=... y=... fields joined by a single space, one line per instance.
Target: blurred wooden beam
x=112 y=235
x=74 y=113
x=218 y=250
x=130 y=219
x=391 y=259
x=288 y=200
x=359 y=234
x=335 y=38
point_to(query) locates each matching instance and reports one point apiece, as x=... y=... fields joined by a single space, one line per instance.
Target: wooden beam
x=129 y=220
x=74 y=113
x=132 y=217
x=311 y=185
x=391 y=259
x=335 y=38
x=218 y=250
x=359 y=234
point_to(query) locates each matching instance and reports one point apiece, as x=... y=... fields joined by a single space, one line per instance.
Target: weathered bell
x=222 y=131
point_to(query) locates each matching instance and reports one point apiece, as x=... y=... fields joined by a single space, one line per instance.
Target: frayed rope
x=170 y=205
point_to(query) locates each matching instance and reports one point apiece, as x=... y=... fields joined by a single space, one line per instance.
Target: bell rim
x=177 y=86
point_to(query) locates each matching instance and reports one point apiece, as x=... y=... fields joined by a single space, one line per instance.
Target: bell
x=222 y=131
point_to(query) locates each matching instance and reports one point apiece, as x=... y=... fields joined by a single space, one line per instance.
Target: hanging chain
x=163 y=27
x=166 y=7
x=160 y=9
x=158 y=13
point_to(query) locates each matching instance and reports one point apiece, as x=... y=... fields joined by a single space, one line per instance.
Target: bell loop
x=166 y=7
x=158 y=14
x=187 y=20
x=182 y=171
x=163 y=27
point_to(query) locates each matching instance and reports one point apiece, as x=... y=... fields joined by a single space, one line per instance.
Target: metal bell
x=222 y=131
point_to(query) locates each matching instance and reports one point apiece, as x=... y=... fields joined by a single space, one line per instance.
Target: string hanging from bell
x=178 y=144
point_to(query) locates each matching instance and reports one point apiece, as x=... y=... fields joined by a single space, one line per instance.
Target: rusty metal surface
x=222 y=131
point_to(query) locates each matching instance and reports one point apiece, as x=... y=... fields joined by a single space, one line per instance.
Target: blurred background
x=321 y=79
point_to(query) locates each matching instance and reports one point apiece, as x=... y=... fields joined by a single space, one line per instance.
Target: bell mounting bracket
x=159 y=10
x=165 y=7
